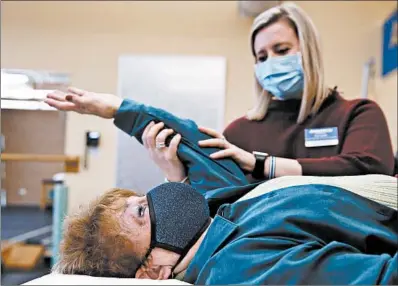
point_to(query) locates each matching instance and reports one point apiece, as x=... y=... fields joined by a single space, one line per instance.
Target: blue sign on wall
x=390 y=44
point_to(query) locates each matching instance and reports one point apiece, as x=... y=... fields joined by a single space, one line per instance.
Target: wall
x=384 y=89
x=39 y=132
x=86 y=38
x=351 y=34
x=385 y=93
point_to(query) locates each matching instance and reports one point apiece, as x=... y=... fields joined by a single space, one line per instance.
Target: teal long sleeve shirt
x=304 y=235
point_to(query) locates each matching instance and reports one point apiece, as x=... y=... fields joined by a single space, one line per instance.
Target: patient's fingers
x=222 y=154
x=60 y=105
x=172 y=150
x=57 y=95
x=145 y=133
x=216 y=142
x=211 y=132
x=161 y=137
x=76 y=90
x=152 y=133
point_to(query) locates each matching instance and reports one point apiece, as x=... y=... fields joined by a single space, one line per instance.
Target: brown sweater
x=364 y=141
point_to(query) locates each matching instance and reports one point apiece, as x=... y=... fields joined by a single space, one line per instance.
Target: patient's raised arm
x=205 y=174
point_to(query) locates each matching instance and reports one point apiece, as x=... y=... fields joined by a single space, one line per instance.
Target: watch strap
x=258 y=171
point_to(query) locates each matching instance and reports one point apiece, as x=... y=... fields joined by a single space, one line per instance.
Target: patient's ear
x=158 y=265
x=152 y=271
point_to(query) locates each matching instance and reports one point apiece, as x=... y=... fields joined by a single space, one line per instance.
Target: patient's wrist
x=184 y=180
x=175 y=174
x=115 y=105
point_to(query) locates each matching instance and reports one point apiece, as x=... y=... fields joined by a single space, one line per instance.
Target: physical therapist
x=298 y=125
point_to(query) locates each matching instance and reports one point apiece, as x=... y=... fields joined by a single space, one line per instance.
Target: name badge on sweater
x=319 y=137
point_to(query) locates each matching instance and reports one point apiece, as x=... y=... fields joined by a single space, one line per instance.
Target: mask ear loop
x=144 y=259
x=173 y=275
x=188 y=247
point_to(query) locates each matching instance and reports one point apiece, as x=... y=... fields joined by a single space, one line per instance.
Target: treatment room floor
x=16 y=220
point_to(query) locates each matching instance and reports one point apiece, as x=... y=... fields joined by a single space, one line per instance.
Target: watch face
x=260 y=154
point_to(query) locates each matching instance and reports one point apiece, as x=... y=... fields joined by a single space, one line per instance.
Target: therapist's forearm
x=283 y=167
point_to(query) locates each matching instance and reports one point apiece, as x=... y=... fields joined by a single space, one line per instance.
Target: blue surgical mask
x=282 y=76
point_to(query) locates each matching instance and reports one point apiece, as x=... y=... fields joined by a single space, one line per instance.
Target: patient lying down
x=312 y=234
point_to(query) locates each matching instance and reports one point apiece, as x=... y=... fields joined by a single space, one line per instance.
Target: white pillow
x=62 y=279
x=378 y=188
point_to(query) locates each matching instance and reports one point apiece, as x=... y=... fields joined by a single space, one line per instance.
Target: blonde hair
x=315 y=90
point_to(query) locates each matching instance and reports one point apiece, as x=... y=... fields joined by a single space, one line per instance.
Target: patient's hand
x=85 y=102
x=165 y=158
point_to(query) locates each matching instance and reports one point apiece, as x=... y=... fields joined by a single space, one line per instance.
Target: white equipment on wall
x=254 y=8
x=26 y=89
x=367 y=74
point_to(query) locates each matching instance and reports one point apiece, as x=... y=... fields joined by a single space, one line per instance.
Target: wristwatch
x=258 y=171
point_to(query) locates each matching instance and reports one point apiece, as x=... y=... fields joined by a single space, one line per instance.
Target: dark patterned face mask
x=179 y=215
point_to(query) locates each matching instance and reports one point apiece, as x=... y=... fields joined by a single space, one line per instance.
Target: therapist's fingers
x=172 y=150
x=222 y=154
x=145 y=133
x=216 y=142
x=211 y=132
x=152 y=133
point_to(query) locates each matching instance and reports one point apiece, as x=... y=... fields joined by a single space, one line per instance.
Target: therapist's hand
x=165 y=158
x=244 y=159
x=85 y=102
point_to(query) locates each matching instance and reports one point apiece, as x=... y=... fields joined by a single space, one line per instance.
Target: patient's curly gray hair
x=95 y=244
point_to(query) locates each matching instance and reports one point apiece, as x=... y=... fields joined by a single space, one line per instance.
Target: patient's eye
x=140 y=211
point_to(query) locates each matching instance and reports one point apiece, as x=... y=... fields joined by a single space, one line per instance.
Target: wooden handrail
x=71 y=162
x=37 y=157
